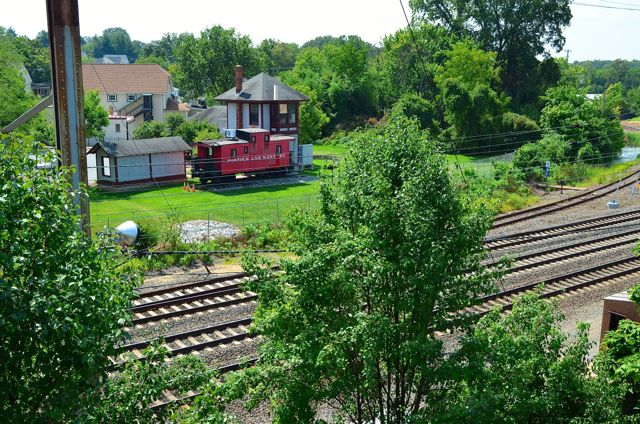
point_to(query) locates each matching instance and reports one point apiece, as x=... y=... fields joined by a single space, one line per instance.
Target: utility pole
x=68 y=96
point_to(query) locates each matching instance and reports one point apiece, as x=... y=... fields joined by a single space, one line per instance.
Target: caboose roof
x=261 y=89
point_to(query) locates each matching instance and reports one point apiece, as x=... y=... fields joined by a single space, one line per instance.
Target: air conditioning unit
x=230 y=133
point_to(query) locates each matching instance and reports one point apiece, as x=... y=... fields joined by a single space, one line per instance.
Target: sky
x=595 y=33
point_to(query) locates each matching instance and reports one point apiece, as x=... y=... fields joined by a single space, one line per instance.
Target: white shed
x=134 y=163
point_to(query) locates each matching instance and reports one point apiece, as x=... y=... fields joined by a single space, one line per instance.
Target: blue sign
x=546 y=169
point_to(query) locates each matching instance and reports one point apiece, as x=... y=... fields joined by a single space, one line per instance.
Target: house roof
x=128 y=78
x=261 y=89
x=214 y=115
x=142 y=147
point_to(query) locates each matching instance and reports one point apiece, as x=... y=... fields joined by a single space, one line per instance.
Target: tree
x=151 y=129
x=112 y=41
x=402 y=60
x=518 y=31
x=312 y=121
x=206 y=65
x=63 y=297
x=393 y=252
x=580 y=121
x=278 y=55
x=96 y=117
x=14 y=100
x=521 y=367
x=466 y=83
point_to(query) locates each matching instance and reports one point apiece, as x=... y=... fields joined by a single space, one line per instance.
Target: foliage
x=63 y=299
x=150 y=129
x=338 y=78
x=112 y=41
x=126 y=395
x=498 y=27
x=520 y=367
x=96 y=117
x=14 y=101
x=278 y=56
x=531 y=157
x=189 y=130
x=401 y=69
x=312 y=121
x=206 y=65
x=466 y=80
x=33 y=54
x=392 y=253
x=580 y=121
x=414 y=106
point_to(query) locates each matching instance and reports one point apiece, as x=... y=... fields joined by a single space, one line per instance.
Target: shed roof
x=142 y=147
x=261 y=89
x=135 y=78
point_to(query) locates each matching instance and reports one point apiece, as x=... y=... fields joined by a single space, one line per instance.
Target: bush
x=63 y=297
x=531 y=157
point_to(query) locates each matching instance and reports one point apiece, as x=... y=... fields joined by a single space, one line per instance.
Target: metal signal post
x=68 y=96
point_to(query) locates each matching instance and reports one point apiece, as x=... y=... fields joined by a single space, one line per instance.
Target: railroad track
x=580 y=249
x=529 y=213
x=525 y=237
x=195 y=340
x=604 y=273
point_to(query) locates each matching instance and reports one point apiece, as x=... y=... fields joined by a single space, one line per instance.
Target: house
x=265 y=102
x=125 y=164
x=132 y=93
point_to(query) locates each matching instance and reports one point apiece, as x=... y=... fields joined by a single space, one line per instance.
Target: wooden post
x=68 y=96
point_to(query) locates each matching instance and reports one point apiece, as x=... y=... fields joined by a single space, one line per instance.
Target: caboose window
x=246 y=150
x=234 y=153
x=278 y=150
x=266 y=138
x=254 y=114
x=252 y=138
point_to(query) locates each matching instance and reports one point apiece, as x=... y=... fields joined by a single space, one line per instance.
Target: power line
x=606 y=7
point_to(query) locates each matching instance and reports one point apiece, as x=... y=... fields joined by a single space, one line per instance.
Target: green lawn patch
x=239 y=207
x=338 y=150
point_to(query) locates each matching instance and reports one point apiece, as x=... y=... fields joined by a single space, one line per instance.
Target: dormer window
x=112 y=97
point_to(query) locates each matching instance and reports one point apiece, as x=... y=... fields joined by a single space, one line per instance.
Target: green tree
x=568 y=112
x=206 y=65
x=392 y=253
x=518 y=31
x=521 y=367
x=466 y=83
x=312 y=121
x=278 y=55
x=96 y=117
x=113 y=41
x=401 y=63
x=14 y=100
x=63 y=299
x=150 y=130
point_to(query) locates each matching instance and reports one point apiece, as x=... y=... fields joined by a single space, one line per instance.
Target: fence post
x=208 y=225
x=108 y=223
x=277 y=210
x=243 y=215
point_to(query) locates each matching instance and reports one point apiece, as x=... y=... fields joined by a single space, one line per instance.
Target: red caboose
x=253 y=151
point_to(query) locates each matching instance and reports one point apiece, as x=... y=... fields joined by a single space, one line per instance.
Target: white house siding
x=231 y=116
x=167 y=164
x=110 y=133
x=245 y=115
x=266 y=115
x=132 y=168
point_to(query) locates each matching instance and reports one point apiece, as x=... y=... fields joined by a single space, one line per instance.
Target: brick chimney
x=239 y=73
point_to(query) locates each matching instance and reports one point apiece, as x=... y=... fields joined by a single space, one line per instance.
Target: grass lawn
x=607 y=174
x=329 y=150
x=240 y=207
